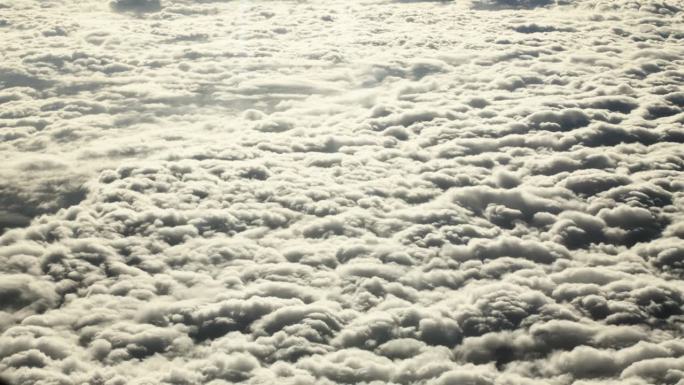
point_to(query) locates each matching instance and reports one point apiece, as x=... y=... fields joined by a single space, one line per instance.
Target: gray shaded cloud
x=136 y=5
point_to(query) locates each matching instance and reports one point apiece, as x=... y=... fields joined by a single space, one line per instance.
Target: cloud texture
x=373 y=192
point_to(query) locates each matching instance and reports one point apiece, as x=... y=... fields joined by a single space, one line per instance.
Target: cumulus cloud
x=321 y=192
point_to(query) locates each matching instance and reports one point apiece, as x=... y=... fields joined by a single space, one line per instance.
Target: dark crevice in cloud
x=510 y=4
x=11 y=77
x=20 y=206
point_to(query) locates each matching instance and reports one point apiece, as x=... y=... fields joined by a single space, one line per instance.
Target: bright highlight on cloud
x=326 y=192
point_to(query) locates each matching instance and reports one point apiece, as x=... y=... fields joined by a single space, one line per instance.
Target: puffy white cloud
x=320 y=192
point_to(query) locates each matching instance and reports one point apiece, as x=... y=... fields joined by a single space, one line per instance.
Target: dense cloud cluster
x=326 y=192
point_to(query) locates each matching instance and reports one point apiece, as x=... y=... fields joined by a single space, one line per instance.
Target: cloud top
x=395 y=192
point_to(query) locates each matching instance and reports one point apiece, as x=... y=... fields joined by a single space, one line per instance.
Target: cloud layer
x=379 y=192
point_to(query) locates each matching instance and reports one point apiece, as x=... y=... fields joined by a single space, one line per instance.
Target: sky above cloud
x=484 y=192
